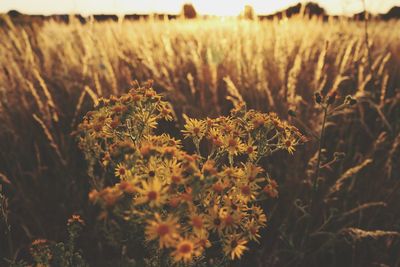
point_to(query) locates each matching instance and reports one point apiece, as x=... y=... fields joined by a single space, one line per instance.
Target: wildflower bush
x=46 y=253
x=184 y=205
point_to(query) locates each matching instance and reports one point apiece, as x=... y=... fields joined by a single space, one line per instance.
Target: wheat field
x=52 y=74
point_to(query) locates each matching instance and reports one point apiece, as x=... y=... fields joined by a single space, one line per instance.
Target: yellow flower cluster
x=186 y=203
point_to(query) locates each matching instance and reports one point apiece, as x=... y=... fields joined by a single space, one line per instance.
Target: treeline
x=189 y=12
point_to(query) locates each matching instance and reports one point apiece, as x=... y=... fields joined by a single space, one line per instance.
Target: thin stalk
x=320 y=143
x=315 y=181
x=10 y=243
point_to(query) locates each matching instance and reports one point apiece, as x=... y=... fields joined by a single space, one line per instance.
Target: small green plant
x=47 y=253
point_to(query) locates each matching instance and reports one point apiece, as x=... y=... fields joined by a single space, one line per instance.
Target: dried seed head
x=331 y=98
x=318 y=98
x=339 y=155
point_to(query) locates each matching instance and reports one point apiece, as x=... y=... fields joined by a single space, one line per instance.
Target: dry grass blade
x=320 y=66
x=364 y=207
x=50 y=101
x=384 y=86
x=358 y=234
x=338 y=82
x=380 y=113
x=191 y=84
x=291 y=95
x=233 y=93
x=92 y=95
x=392 y=152
x=347 y=175
x=38 y=101
x=50 y=138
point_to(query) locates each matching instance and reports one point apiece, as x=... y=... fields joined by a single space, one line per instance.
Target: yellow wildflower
x=166 y=231
x=234 y=246
x=194 y=128
x=184 y=251
x=121 y=171
x=152 y=192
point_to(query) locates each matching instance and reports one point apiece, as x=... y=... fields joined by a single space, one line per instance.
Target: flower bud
x=339 y=155
x=353 y=102
x=349 y=100
x=318 y=97
x=292 y=113
x=331 y=98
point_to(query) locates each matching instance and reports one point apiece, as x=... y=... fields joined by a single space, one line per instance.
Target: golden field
x=52 y=74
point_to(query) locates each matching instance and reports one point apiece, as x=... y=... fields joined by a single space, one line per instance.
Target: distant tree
x=188 y=11
x=248 y=12
x=393 y=13
x=14 y=13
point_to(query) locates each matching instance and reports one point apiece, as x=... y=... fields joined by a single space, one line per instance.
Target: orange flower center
x=114 y=124
x=185 y=248
x=98 y=127
x=218 y=188
x=196 y=130
x=174 y=202
x=288 y=143
x=245 y=190
x=122 y=171
x=258 y=122
x=152 y=195
x=197 y=222
x=117 y=109
x=163 y=229
x=145 y=150
x=232 y=143
x=228 y=220
x=229 y=172
x=136 y=97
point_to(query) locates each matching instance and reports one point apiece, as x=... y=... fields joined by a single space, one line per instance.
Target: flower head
x=194 y=128
x=152 y=192
x=166 y=231
x=234 y=246
x=185 y=250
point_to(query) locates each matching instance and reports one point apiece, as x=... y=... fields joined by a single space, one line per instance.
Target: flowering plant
x=47 y=253
x=186 y=204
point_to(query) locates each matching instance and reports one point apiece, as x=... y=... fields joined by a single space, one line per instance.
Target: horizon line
x=86 y=14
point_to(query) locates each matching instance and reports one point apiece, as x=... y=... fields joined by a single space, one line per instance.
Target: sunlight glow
x=209 y=7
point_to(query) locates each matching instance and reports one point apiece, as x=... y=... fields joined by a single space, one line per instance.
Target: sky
x=210 y=7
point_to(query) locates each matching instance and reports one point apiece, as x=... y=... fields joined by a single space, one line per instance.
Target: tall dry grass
x=51 y=74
